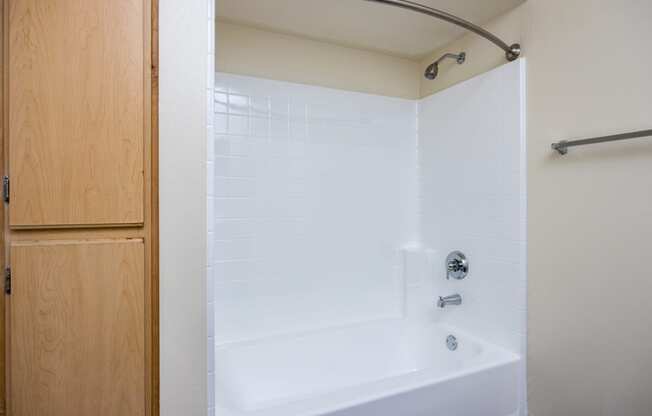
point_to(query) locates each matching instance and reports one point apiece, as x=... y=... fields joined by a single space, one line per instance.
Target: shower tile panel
x=313 y=193
x=472 y=198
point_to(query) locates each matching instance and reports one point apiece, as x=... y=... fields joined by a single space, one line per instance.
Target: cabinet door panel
x=76 y=112
x=77 y=328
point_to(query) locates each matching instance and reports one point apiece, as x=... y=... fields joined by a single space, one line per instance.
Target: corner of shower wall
x=210 y=168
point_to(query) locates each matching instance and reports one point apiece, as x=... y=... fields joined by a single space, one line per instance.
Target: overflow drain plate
x=451 y=342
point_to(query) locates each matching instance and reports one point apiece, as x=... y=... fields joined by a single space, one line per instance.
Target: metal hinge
x=8 y=280
x=5 y=188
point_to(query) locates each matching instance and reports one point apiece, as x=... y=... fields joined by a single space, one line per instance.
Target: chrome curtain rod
x=511 y=51
x=562 y=146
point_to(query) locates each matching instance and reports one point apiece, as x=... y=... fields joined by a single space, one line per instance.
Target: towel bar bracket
x=560 y=146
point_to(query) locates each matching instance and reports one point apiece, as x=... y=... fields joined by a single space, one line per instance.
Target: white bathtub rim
x=506 y=357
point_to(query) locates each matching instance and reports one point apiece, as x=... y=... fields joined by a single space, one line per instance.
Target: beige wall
x=590 y=212
x=249 y=51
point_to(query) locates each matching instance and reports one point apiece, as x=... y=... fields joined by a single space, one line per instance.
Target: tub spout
x=449 y=300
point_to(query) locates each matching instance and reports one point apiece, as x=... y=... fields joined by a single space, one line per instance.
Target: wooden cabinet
x=77 y=94
x=79 y=145
x=77 y=328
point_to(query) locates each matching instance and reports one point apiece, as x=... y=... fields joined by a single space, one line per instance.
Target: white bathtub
x=388 y=368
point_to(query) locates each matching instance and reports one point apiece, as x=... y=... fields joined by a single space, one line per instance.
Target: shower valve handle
x=457 y=266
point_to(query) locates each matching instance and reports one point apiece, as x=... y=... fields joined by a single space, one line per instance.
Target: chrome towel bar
x=562 y=146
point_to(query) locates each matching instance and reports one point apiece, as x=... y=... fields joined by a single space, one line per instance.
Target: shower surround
x=330 y=217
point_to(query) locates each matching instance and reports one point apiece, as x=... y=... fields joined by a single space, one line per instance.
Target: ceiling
x=363 y=24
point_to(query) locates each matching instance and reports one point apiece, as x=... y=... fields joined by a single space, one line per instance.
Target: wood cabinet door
x=77 y=328
x=77 y=101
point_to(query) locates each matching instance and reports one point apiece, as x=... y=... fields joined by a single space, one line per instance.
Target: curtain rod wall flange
x=512 y=51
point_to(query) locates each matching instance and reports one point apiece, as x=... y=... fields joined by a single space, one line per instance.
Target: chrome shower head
x=433 y=69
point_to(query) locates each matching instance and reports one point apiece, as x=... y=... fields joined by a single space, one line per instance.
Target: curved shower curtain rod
x=511 y=51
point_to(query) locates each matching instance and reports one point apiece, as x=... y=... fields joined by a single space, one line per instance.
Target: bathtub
x=385 y=368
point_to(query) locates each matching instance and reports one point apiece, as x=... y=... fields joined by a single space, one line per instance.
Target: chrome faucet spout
x=449 y=300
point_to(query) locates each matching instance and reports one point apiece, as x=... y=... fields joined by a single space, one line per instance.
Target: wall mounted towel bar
x=562 y=146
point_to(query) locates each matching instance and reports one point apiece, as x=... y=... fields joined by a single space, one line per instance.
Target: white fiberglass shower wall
x=330 y=215
x=314 y=190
